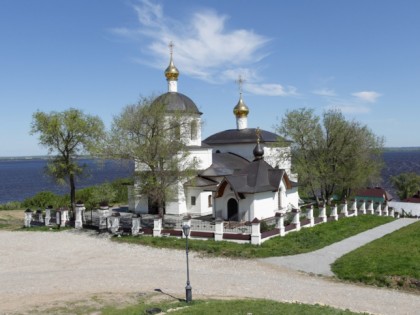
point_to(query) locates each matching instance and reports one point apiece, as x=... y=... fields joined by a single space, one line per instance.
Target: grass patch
x=11 y=219
x=239 y=307
x=306 y=240
x=391 y=261
x=208 y=307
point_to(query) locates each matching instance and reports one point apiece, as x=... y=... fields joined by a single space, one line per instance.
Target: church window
x=193 y=200
x=194 y=130
x=176 y=130
x=210 y=201
x=279 y=199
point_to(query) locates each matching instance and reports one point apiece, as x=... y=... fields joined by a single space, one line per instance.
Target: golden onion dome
x=171 y=73
x=241 y=110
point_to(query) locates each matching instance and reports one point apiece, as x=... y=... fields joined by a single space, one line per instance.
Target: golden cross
x=240 y=83
x=258 y=132
x=171 y=47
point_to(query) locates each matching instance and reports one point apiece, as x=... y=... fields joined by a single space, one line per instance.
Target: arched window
x=175 y=130
x=210 y=197
x=194 y=130
x=279 y=199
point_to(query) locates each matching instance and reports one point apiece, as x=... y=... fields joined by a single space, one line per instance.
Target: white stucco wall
x=201 y=206
x=203 y=156
x=265 y=205
x=293 y=197
x=260 y=205
x=409 y=207
x=141 y=204
x=178 y=206
x=186 y=132
x=283 y=196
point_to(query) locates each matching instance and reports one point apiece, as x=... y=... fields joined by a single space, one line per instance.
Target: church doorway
x=232 y=206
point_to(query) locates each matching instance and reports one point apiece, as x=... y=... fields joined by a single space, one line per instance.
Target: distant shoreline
x=46 y=157
x=408 y=149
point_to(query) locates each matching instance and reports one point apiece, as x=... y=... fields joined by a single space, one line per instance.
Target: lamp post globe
x=188 y=289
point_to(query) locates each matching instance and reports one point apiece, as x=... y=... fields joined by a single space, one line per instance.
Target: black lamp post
x=188 y=289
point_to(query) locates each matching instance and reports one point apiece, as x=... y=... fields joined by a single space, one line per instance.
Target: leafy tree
x=331 y=157
x=407 y=184
x=103 y=194
x=155 y=139
x=67 y=134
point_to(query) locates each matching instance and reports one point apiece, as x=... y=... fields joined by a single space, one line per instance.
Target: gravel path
x=319 y=261
x=38 y=268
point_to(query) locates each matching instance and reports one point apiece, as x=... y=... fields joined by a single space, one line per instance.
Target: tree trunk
x=72 y=192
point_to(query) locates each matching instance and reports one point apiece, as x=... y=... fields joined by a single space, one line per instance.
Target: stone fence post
x=157 y=226
x=370 y=207
x=334 y=213
x=280 y=223
x=255 y=232
x=103 y=213
x=58 y=217
x=363 y=207
x=353 y=207
x=48 y=215
x=385 y=210
x=114 y=222
x=378 y=210
x=61 y=216
x=344 y=209
x=79 y=208
x=28 y=218
x=135 y=224
x=218 y=230
x=64 y=216
x=310 y=215
x=296 y=218
x=391 y=212
x=323 y=213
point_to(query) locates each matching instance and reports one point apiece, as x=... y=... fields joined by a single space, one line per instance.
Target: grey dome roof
x=177 y=102
x=247 y=135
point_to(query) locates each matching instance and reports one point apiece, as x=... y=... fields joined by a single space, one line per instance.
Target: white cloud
x=270 y=89
x=324 y=92
x=204 y=47
x=350 y=108
x=367 y=96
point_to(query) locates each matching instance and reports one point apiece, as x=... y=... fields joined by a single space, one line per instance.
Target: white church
x=241 y=174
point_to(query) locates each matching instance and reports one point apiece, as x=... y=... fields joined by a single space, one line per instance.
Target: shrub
x=44 y=199
x=103 y=194
x=265 y=227
x=11 y=205
x=115 y=192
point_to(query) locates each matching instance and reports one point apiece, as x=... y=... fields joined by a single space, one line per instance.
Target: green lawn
x=145 y=305
x=238 y=307
x=306 y=240
x=392 y=261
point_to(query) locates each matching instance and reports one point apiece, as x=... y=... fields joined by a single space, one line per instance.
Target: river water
x=23 y=178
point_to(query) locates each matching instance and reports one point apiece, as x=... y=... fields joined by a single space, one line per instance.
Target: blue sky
x=362 y=57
